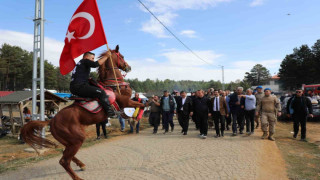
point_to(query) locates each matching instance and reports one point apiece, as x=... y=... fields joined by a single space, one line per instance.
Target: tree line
x=16 y=67
x=297 y=68
x=301 y=67
x=157 y=86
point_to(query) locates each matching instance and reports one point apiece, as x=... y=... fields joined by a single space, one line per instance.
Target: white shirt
x=183 y=101
x=215 y=102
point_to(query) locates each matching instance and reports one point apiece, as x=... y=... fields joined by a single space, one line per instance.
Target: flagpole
x=114 y=73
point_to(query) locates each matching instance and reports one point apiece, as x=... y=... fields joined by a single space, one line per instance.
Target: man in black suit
x=184 y=109
x=200 y=106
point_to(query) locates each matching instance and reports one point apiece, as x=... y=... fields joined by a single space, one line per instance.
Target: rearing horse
x=68 y=126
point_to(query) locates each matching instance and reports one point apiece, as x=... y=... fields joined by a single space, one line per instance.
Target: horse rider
x=80 y=85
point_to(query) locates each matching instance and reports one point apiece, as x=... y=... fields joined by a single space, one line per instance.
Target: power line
x=222 y=67
x=173 y=34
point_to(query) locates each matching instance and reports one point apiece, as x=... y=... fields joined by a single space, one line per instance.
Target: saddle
x=92 y=104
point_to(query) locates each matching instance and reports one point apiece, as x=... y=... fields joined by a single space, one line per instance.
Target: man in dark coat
x=80 y=85
x=236 y=104
x=201 y=109
x=298 y=108
x=184 y=110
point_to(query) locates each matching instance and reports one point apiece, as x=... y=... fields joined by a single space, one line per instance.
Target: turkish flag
x=85 y=33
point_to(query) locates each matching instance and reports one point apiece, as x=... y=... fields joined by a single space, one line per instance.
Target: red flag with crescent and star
x=85 y=33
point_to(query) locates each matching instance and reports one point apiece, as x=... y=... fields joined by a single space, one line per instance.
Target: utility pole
x=38 y=52
x=7 y=78
x=222 y=70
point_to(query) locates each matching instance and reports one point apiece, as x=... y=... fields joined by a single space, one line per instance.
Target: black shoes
x=295 y=135
x=172 y=128
x=185 y=133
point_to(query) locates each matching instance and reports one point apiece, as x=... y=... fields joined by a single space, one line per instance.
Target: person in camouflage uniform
x=268 y=107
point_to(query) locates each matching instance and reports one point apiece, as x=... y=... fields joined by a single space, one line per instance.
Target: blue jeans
x=137 y=127
x=122 y=122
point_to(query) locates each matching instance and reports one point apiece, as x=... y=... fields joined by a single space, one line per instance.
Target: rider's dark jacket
x=81 y=72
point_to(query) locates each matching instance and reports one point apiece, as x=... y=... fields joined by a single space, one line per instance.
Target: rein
x=121 y=83
x=116 y=79
x=120 y=58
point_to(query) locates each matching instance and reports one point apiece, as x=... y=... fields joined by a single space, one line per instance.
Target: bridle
x=119 y=60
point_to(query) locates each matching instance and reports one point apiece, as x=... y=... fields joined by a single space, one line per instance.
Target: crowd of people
x=239 y=111
x=218 y=109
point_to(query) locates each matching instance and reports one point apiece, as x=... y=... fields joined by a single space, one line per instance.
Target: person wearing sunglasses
x=299 y=108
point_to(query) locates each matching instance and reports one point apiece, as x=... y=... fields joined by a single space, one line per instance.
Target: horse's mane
x=102 y=68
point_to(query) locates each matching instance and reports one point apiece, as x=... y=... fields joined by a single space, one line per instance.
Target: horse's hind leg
x=68 y=155
x=79 y=163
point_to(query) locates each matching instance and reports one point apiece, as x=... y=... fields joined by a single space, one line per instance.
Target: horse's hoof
x=83 y=168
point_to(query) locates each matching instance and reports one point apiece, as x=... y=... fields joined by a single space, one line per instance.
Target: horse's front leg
x=132 y=103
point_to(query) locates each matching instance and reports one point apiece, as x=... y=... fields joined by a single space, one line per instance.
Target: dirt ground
x=272 y=164
x=12 y=154
x=313 y=132
x=302 y=159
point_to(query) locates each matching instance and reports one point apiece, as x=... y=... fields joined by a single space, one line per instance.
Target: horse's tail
x=30 y=133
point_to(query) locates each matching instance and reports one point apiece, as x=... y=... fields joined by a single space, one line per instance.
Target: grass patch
x=302 y=158
x=21 y=162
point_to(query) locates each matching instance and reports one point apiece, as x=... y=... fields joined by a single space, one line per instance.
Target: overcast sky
x=234 y=33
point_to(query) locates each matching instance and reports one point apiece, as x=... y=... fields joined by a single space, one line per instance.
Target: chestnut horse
x=68 y=126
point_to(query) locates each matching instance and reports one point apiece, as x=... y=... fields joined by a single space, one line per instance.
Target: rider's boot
x=107 y=107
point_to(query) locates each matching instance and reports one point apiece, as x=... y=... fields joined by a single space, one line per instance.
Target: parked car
x=315 y=107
